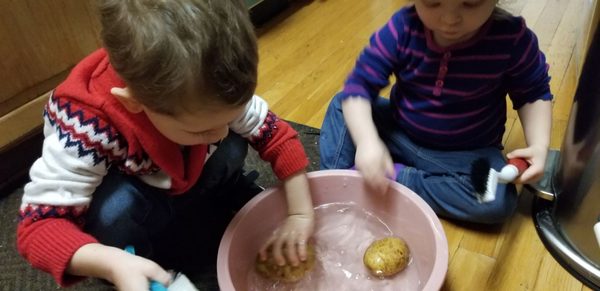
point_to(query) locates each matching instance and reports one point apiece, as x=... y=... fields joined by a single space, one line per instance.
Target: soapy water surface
x=343 y=231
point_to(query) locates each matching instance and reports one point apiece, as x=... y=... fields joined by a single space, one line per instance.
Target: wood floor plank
x=514 y=7
x=454 y=235
x=320 y=61
x=552 y=276
x=563 y=101
x=468 y=271
x=519 y=256
x=564 y=96
x=562 y=45
x=509 y=124
x=559 y=127
x=516 y=138
x=482 y=239
x=532 y=10
x=547 y=23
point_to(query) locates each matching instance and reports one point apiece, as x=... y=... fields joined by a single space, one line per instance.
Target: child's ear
x=125 y=96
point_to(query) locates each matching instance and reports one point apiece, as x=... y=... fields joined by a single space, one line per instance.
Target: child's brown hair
x=167 y=50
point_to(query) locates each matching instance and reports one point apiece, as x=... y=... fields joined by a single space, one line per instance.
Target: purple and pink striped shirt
x=452 y=98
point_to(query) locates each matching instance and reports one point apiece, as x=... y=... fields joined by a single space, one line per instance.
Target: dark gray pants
x=172 y=229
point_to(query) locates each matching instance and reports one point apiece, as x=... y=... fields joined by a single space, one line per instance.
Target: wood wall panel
x=39 y=42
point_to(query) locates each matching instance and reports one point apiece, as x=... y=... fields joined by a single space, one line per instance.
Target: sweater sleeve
x=377 y=61
x=274 y=139
x=75 y=157
x=527 y=76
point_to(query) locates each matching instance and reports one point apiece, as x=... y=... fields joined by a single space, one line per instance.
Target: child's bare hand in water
x=288 y=242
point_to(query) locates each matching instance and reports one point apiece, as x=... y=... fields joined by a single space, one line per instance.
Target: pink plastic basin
x=400 y=208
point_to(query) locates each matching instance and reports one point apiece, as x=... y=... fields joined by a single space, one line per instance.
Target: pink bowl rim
x=440 y=267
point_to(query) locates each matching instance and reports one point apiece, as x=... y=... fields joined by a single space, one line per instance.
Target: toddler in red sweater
x=149 y=134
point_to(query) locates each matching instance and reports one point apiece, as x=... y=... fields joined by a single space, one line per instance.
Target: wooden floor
x=306 y=53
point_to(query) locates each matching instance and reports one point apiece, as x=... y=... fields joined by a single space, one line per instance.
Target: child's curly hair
x=167 y=50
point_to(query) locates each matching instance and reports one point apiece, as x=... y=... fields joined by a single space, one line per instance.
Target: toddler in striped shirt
x=454 y=63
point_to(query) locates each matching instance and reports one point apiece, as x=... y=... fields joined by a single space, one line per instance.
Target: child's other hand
x=374 y=162
x=288 y=242
x=536 y=157
x=126 y=271
x=133 y=272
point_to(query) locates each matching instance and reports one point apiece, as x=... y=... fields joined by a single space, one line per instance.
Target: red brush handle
x=520 y=163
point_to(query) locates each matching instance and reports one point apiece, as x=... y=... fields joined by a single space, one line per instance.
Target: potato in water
x=387 y=256
x=286 y=273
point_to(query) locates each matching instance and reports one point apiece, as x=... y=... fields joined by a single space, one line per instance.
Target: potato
x=387 y=256
x=286 y=273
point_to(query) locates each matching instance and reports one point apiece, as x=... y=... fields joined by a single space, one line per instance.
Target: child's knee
x=232 y=150
x=336 y=103
x=107 y=211
x=116 y=205
x=497 y=211
x=468 y=209
x=495 y=215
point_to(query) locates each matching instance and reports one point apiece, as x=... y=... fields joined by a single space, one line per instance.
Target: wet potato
x=386 y=257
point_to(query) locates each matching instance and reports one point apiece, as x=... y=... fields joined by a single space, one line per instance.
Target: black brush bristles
x=480 y=170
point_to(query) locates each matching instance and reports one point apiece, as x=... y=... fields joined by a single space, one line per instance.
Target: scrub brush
x=485 y=179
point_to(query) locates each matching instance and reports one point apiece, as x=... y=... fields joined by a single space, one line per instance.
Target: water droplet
x=348 y=274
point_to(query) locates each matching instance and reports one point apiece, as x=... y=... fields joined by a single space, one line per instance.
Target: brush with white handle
x=485 y=179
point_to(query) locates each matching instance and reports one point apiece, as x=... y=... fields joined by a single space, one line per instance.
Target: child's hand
x=135 y=273
x=374 y=162
x=289 y=240
x=536 y=157
x=126 y=271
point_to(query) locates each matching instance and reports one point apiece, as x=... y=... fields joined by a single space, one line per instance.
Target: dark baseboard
x=265 y=10
x=17 y=159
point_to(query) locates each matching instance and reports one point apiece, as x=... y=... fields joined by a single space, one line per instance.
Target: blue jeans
x=441 y=178
x=126 y=211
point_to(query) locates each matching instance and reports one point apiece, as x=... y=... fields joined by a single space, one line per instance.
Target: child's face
x=454 y=21
x=204 y=126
